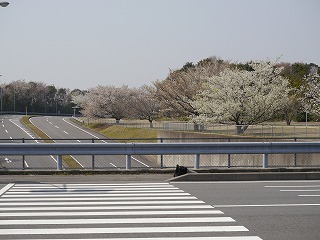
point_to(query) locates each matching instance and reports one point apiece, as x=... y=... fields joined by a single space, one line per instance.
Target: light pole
x=4 y=4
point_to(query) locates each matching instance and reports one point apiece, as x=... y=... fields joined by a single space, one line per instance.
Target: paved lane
x=63 y=128
x=12 y=130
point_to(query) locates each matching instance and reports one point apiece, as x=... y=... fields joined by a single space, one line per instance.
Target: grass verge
x=121 y=134
x=67 y=159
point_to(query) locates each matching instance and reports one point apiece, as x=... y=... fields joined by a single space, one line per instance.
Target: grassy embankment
x=118 y=132
x=67 y=159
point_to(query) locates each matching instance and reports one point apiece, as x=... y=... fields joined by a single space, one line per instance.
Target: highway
x=63 y=128
x=11 y=129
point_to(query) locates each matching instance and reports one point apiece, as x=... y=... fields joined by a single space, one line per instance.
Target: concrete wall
x=241 y=160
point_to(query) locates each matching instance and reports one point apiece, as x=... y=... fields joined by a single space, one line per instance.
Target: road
x=11 y=129
x=271 y=210
x=63 y=128
x=93 y=207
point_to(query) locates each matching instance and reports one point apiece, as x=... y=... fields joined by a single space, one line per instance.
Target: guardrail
x=129 y=149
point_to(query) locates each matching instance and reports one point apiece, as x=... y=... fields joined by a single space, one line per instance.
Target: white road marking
x=284 y=186
x=308 y=195
x=6 y=130
x=87 y=186
x=6 y=188
x=95 y=190
x=140 y=162
x=112 y=213
x=96 y=195
x=91 y=185
x=269 y=205
x=170 y=238
x=66 y=132
x=5 y=198
x=301 y=190
x=23 y=130
x=56 y=126
x=40 y=203
x=82 y=130
x=123 y=230
x=117 y=221
x=114 y=165
x=72 y=208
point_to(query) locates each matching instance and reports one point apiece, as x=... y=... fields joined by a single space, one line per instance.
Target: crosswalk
x=131 y=211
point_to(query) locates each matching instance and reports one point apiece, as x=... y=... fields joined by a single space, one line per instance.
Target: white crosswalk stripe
x=132 y=211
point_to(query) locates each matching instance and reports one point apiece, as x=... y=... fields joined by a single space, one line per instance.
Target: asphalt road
x=267 y=210
x=12 y=130
x=270 y=210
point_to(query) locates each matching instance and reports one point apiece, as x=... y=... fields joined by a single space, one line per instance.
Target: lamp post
x=4 y=4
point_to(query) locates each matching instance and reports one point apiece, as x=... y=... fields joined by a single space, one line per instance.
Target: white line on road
x=123 y=230
x=95 y=195
x=82 y=130
x=301 y=190
x=78 y=203
x=49 y=199
x=284 y=186
x=129 y=207
x=140 y=162
x=66 y=132
x=6 y=188
x=90 y=184
x=116 y=221
x=170 y=238
x=112 y=213
x=114 y=166
x=269 y=205
x=308 y=195
x=101 y=190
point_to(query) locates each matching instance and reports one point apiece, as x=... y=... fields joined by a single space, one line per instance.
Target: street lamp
x=4 y=4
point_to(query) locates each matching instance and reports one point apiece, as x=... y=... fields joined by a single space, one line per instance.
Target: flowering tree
x=144 y=104
x=179 y=89
x=310 y=92
x=241 y=96
x=105 y=101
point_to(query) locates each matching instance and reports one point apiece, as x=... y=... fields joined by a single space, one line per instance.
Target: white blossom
x=241 y=96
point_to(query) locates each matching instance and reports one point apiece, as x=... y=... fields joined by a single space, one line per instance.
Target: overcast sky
x=86 y=43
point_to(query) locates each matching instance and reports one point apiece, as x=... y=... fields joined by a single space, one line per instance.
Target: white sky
x=86 y=43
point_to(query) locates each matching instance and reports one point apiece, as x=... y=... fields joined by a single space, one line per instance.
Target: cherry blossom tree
x=310 y=92
x=244 y=97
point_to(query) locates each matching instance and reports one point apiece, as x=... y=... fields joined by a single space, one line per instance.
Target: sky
x=80 y=44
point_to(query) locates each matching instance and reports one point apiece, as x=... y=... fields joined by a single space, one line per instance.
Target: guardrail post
x=229 y=157
x=59 y=162
x=265 y=160
x=93 y=163
x=23 y=159
x=161 y=157
x=197 y=161
x=128 y=162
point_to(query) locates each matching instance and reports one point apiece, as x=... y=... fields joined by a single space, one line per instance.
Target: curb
x=247 y=176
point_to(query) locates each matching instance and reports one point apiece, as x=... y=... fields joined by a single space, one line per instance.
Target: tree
x=104 y=101
x=144 y=103
x=241 y=96
x=179 y=89
x=310 y=92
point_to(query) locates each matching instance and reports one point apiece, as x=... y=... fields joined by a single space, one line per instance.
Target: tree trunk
x=241 y=128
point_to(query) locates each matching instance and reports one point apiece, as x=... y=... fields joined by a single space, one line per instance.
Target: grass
x=119 y=132
x=67 y=159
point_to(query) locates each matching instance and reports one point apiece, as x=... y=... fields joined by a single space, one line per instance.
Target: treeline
x=172 y=97
x=36 y=97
